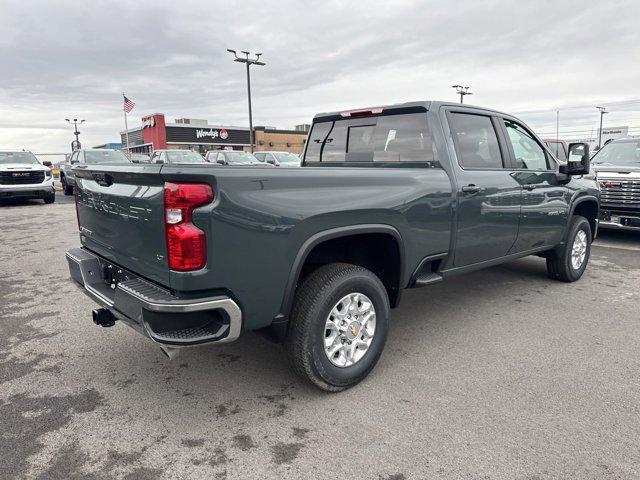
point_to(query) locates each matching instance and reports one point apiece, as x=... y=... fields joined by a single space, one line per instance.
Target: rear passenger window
x=476 y=141
x=392 y=138
x=403 y=138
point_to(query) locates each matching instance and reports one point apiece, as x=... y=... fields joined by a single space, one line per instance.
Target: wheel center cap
x=352 y=330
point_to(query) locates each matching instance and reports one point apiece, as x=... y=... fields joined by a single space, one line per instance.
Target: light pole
x=603 y=110
x=248 y=61
x=462 y=91
x=76 y=145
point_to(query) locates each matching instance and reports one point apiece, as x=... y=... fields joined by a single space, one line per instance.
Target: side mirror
x=579 y=160
x=47 y=164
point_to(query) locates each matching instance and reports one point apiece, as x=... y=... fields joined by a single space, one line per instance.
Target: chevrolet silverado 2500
x=387 y=198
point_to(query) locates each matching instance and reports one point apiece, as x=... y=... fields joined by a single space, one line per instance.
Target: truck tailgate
x=121 y=216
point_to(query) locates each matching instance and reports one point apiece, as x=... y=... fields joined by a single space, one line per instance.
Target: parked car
x=389 y=198
x=139 y=158
x=559 y=148
x=278 y=159
x=176 y=156
x=94 y=156
x=23 y=176
x=235 y=157
x=617 y=170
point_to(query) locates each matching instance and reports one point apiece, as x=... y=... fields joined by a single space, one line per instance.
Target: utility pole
x=248 y=62
x=462 y=91
x=602 y=110
x=75 y=145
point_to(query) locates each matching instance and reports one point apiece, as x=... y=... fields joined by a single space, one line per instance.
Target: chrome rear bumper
x=154 y=311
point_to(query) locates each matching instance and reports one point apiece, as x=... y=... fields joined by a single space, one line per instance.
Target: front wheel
x=49 y=198
x=339 y=326
x=67 y=189
x=569 y=261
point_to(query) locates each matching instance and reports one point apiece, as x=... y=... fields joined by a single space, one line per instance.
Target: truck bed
x=258 y=222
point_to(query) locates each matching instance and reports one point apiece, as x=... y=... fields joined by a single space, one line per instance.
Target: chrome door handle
x=470 y=189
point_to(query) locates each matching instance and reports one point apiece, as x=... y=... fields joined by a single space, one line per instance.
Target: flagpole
x=126 y=127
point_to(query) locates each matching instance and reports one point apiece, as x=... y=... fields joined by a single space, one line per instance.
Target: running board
x=427 y=279
x=428 y=271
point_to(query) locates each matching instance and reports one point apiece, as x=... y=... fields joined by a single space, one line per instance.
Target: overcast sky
x=73 y=59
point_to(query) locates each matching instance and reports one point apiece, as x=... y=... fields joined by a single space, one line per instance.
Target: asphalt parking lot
x=498 y=374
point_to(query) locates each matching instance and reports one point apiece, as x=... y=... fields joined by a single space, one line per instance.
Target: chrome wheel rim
x=349 y=330
x=579 y=250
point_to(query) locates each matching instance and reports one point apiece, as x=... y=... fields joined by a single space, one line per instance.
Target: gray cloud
x=64 y=59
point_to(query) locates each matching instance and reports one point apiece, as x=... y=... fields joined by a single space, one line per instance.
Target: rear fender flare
x=318 y=238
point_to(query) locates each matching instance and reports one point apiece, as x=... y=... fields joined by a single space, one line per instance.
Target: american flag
x=128 y=105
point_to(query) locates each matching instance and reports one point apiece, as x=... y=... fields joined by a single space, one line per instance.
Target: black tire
x=68 y=190
x=559 y=265
x=314 y=299
x=49 y=198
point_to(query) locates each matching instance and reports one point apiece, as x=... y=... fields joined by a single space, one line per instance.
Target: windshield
x=619 y=153
x=184 y=156
x=289 y=158
x=240 y=158
x=18 y=157
x=105 y=156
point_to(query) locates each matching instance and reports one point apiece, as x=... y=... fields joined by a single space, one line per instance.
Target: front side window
x=476 y=141
x=390 y=138
x=528 y=152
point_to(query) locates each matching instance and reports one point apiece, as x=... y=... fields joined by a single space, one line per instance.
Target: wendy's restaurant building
x=193 y=134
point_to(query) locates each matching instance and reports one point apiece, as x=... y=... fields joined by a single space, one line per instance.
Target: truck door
x=545 y=203
x=488 y=196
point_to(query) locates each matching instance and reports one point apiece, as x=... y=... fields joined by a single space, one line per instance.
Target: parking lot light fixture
x=462 y=91
x=75 y=145
x=248 y=62
x=603 y=111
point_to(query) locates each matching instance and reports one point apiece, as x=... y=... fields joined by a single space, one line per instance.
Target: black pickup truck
x=387 y=198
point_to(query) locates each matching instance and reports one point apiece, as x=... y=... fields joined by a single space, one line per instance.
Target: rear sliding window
x=385 y=139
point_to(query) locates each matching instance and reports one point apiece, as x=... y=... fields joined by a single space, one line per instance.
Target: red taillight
x=186 y=243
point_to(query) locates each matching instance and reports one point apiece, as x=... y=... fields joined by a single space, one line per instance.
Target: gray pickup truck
x=387 y=198
x=617 y=170
x=87 y=157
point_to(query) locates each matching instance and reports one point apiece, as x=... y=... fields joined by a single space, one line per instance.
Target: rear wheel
x=568 y=262
x=339 y=326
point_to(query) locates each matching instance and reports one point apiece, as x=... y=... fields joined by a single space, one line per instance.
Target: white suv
x=23 y=176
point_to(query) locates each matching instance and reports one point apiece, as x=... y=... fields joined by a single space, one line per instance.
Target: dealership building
x=192 y=134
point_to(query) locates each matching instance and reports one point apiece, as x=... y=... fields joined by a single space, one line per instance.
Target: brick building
x=191 y=134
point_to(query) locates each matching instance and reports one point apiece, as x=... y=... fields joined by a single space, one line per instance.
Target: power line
x=577 y=107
